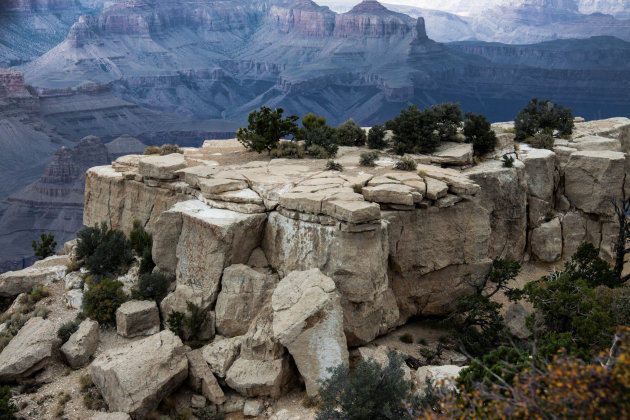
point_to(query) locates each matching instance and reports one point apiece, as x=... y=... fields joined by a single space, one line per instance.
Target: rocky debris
x=13 y=283
x=435 y=189
x=234 y=403
x=592 y=178
x=161 y=167
x=201 y=379
x=308 y=321
x=259 y=343
x=29 y=351
x=244 y=291
x=197 y=242
x=135 y=318
x=73 y=298
x=134 y=378
x=436 y=374
x=515 y=318
x=254 y=378
x=546 y=242
x=221 y=353
x=197 y=401
x=81 y=345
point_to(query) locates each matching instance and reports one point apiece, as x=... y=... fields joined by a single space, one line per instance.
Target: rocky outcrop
x=29 y=351
x=308 y=321
x=13 y=283
x=81 y=345
x=304 y=18
x=134 y=378
x=201 y=378
x=370 y=18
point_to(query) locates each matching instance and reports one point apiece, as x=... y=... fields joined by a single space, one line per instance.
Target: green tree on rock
x=266 y=128
x=46 y=247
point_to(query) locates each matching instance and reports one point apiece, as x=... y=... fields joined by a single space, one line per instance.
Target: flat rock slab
x=161 y=167
x=390 y=194
x=456 y=154
x=134 y=378
x=457 y=182
x=13 y=283
x=29 y=351
x=352 y=211
x=221 y=185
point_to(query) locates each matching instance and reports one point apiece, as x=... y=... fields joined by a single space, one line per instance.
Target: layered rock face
x=395 y=244
x=370 y=18
x=305 y=17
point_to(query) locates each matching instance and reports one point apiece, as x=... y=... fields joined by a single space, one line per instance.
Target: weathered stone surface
x=81 y=345
x=352 y=211
x=435 y=188
x=220 y=354
x=539 y=172
x=457 y=182
x=289 y=246
x=436 y=374
x=253 y=378
x=308 y=321
x=448 y=201
x=73 y=298
x=596 y=143
x=379 y=354
x=539 y=210
x=218 y=185
x=29 y=351
x=253 y=408
x=135 y=318
x=134 y=378
x=546 y=242
x=573 y=233
x=389 y=193
x=456 y=154
x=161 y=167
x=244 y=291
x=208 y=241
x=235 y=403
x=201 y=379
x=610 y=236
x=13 y=283
x=504 y=195
x=73 y=280
x=592 y=178
x=515 y=318
x=259 y=343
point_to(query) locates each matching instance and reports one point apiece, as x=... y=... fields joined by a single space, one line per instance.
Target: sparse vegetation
x=508 y=161
x=66 y=330
x=104 y=251
x=289 y=150
x=92 y=399
x=72 y=267
x=331 y=165
x=152 y=286
x=406 y=338
x=45 y=247
x=189 y=326
x=315 y=132
x=317 y=152
x=266 y=128
x=406 y=164
x=376 y=137
x=166 y=149
x=368 y=158
x=7 y=408
x=142 y=243
x=542 y=140
x=478 y=131
x=350 y=133
x=543 y=114
x=102 y=299
x=414 y=131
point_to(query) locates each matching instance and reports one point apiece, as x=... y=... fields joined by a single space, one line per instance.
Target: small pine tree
x=46 y=247
x=376 y=137
x=351 y=134
x=478 y=130
x=266 y=128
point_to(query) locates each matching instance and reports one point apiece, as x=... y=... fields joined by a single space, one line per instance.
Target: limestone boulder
x=352 y=211
x=13 y=283
x=515 y=318
x=454 y=154
x=435 y=375
x=244 y=291
x=29 y=351
x=259 y=343
x=161 y=167
x=592 y=178
x=573 y=233
x=458 y=183
x=253 y=408
x=201 y=242
x=546 y=241
x=81 y=345
x=256 y=378
x=308 y=321
x=73 y=298
x=201 y=379
x=221 y=353
x=390 y=194
x=435 y=188
x=134 y=378
x=136 y=318
x=73 y=280
x=539 y=172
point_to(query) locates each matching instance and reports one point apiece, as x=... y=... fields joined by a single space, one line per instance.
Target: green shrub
x=46 y=247
x=372 y=392
x=539 y=115
x=209 y=413
x=288 y=149
x=406 y=164
x=146 y=262
x=508 y=161
x=72 y=267
x=151 y=286
x=166 y=149
x=89 y=238
x=111 y=254
x=315 y=132
x=7 y=408
x=331 y=165
x=188 y=326
x=41 y=312
x=66 y=330
x=140 y=239
x=376 y=137
x=368 y=158
x=543 y=140
x=351 y=134
x=414 y=131
x=448 y=117
x=266 y=128
x=504 y=362
x=102 y=299
x=406 y=338
x=478 y=130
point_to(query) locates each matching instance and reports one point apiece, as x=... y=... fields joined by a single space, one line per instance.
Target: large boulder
x=244 y=291
x=539 y=172
x=161 y=167
x=81 y=345
x=573 y=233
x=593 y=178
x=196 y=242
x=29 y=351
x=255 y=378
x=137 y=317
x=134 y=378
x=221 y=353
x=308 y=321
x=201 y=379
x=13 y=283
x=546 y=242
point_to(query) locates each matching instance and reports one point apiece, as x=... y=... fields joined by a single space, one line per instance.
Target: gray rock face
x=134 y=378
x=221 y=353
x=135 y=318
x=81 y=345
x=15 y=282
x=308 y=320
x=253 y=378
x=201 y=379
x=29 y=351
x=546 y=241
